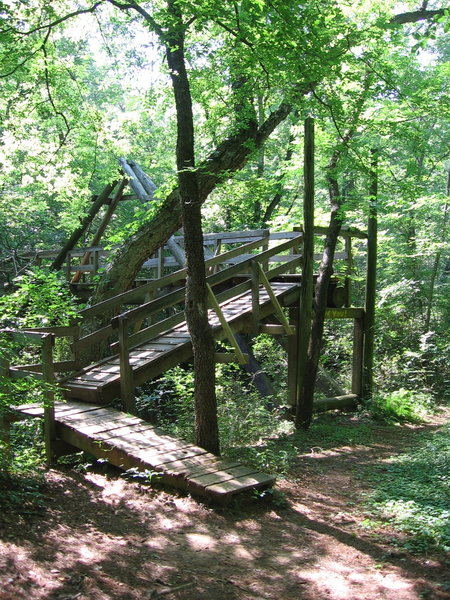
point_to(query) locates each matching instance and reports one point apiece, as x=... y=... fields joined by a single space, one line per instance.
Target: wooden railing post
x=303 y=410
x=49 y=395
x=96 y=263
x=255 y=296
x=371 y=277
x=357 y=366
x=160 y=268
x=4 y=422
x=348 y=278
x=292 y=349
x=76 y=349
x=68 y=266
x=126 y=372
x=265 y=246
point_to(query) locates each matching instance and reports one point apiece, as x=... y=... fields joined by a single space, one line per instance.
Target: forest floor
x=99 y=536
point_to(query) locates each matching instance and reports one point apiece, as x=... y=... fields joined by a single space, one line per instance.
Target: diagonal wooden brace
x=241 y=358
x=279 y=311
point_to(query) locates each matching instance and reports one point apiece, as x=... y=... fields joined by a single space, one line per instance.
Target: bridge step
x=129 y=442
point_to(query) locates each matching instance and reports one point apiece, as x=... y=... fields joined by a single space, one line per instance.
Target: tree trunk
x=196 y=307
x=304 y=414
x=306 y=397
x=436 y=262
x=231 y=155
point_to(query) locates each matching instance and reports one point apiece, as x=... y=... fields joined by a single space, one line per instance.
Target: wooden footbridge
x=253 y=282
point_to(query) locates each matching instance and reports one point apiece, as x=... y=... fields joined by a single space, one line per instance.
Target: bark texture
x=196 y=305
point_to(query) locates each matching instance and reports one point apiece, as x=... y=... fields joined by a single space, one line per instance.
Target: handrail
x=135 y=314
x=125 y=320
x=209 y=238
x=155 y=287
x=45 y=341
x=178 y=275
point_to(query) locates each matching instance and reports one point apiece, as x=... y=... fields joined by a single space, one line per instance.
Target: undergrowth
x=412 y=493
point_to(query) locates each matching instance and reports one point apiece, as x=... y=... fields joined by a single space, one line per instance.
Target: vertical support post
x=217 y=251
x=306 y=290
x=348 y=280
x=371 y=278
x=96 y=263
x=75 y=349
x=68 y=266
x=5 y=424
x=149 y=296
x=160 y=270
x=264 y=247
x=49 y=396
x=357 y=363
x=126 y=372
x=255 y=296
x=292 y=350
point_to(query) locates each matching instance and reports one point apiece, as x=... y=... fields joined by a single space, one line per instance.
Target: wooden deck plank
x=128 y=441
x=222 y=475
x=199 y=465
x=241 y=484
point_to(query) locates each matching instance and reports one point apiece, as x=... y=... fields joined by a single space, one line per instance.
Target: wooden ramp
x=129 y=442
x=100 y=382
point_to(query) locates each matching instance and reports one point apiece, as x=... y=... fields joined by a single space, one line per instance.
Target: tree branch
x=147 y=16
x=57 y=21
x=63 y=136
x=417 y=15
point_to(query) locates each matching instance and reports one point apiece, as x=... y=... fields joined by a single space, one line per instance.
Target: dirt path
x=101 y=537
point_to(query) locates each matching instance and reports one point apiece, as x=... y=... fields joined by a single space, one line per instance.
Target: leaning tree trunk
x=304 y=416
x=229 y=156
x=196 y=306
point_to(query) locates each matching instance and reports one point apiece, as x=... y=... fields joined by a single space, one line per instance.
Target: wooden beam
x=306 y=291
x=126 y=372
x=371 y=279
x=272 y=329
x=357 y=362
x=241 y=359
x=5 y=421
x=349 y=401
x=228 y=357
x=101 y=229
x=137 y=186
x=351 y=312
x=276 y=305
x=49 y=396
x=86 y=221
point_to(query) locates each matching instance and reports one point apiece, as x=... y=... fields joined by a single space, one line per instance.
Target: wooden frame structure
x=236 y=271
x=252 y=284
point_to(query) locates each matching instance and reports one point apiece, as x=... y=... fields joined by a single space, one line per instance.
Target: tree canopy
x=85 y=83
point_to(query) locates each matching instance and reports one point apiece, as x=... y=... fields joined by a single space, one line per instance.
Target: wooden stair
x=100 y=382
x=129 y=442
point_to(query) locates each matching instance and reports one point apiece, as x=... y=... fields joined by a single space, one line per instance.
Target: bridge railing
x=88 y=262
x=247 y=274
x=281 y=254
x=44 y=371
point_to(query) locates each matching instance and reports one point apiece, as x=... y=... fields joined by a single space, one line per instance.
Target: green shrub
x=40 y=299
x=243 y=415
x=401 y=406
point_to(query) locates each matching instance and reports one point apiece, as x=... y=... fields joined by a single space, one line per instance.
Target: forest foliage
x=86 y=83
